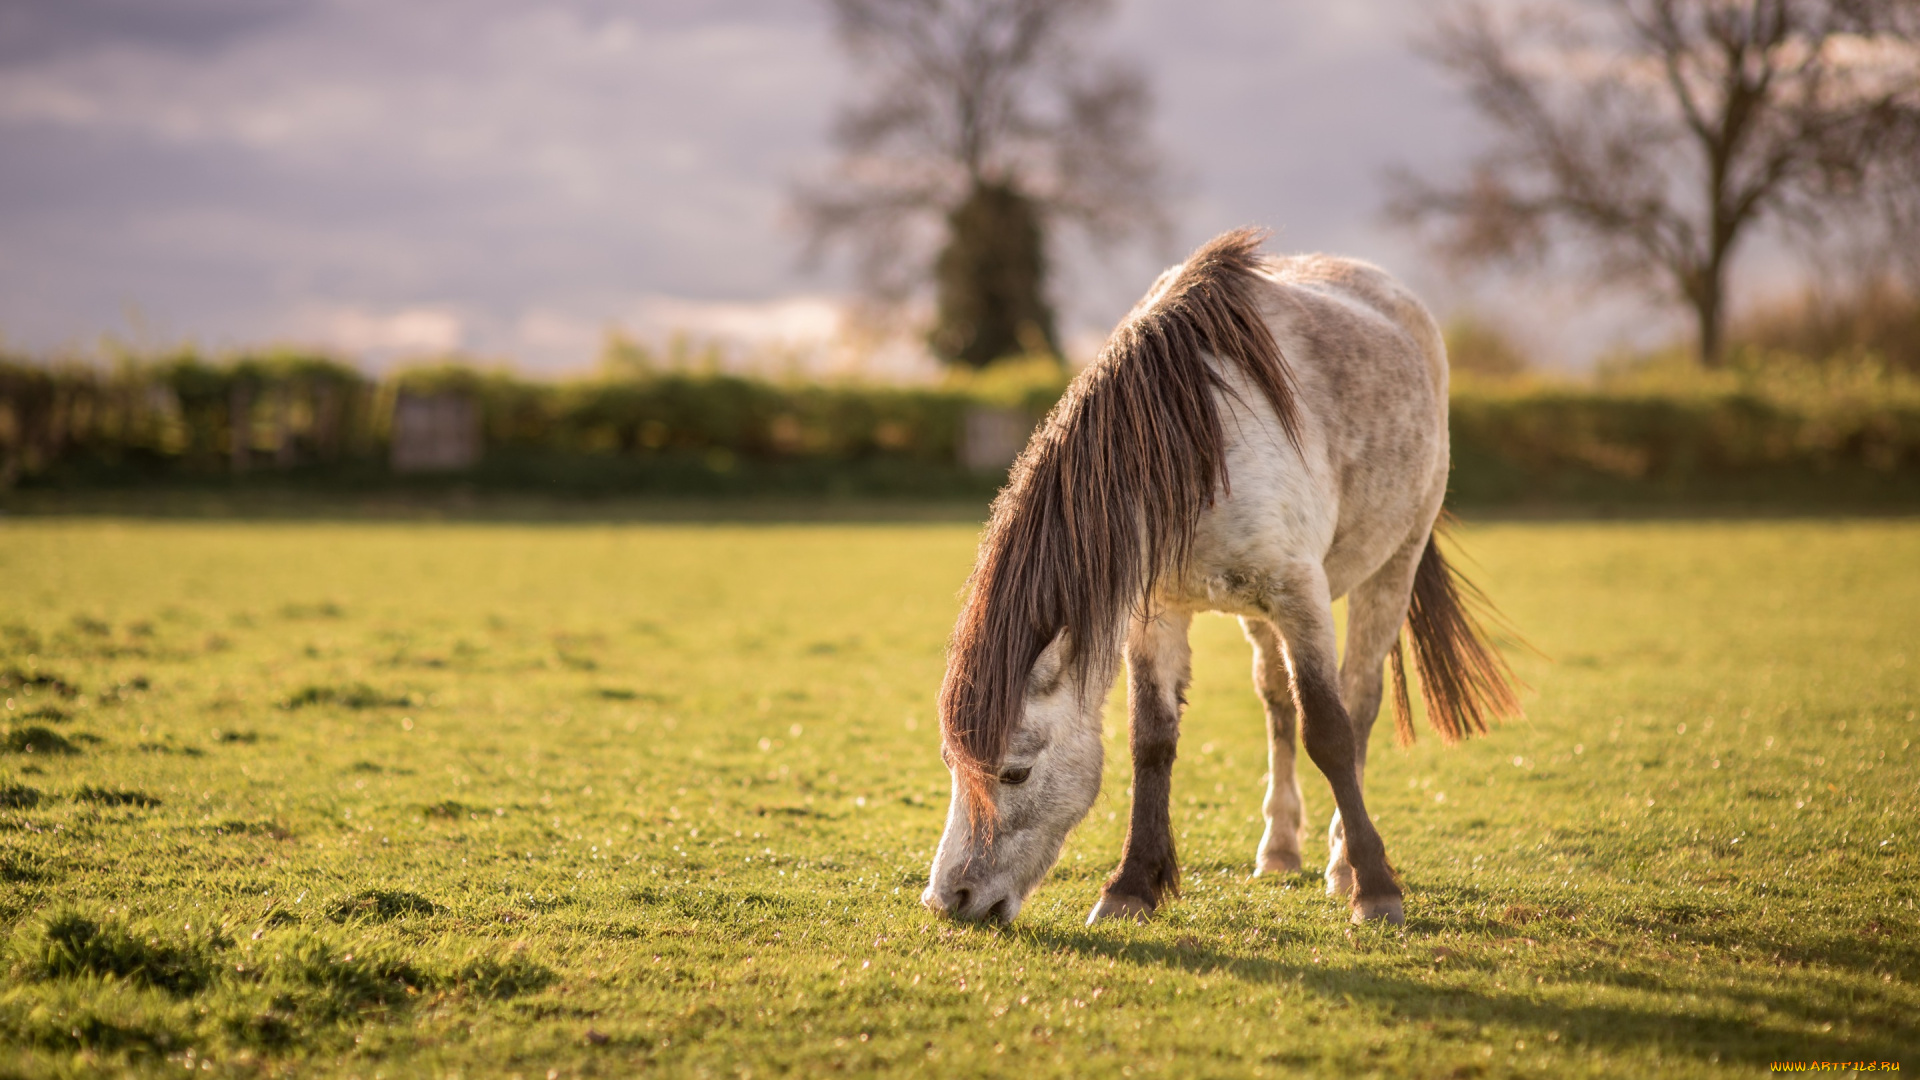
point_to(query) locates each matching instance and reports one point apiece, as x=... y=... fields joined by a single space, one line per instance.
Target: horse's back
x=1370 y=371
x=1344 y=305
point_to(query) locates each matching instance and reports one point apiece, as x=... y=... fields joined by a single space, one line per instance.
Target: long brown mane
x=1106 y=497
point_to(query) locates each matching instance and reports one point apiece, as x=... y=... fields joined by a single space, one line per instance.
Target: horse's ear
x=1047 y=670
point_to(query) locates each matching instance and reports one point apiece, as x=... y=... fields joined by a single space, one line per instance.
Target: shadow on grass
x=1613 y=1026
x=1886 y=944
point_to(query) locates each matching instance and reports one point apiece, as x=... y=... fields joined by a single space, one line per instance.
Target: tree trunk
x=1707 y=311
x=1706 y=291
x=991 y=280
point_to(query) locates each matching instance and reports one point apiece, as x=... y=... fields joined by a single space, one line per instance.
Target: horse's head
x=1003 y=835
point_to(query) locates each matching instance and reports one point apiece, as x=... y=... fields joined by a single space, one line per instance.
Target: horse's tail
x=1463 y=678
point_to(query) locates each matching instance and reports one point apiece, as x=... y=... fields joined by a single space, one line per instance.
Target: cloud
x=544 y=155
x=531 y=173
x=410 y=331
x=816 y=335
x=33 y=32
x=789 y=321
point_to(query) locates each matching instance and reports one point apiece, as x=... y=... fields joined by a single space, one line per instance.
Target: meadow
x=486 y=799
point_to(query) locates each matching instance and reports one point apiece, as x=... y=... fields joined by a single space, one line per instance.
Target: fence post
x=240 y=425
x=435 y=432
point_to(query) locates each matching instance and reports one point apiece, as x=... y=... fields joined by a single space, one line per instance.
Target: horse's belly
x=1276 y=519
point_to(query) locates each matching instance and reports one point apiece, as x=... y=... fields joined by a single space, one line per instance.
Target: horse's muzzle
x=969 y=904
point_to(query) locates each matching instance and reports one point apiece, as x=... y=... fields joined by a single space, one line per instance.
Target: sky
x=512 y=179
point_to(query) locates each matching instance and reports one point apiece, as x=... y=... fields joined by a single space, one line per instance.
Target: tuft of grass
x=69 y=944
x=722 y=906
x=492 y=977
x=380 y=905
x=102 y=796
x=122 y=692
x=351 y=696
x=36 y=739
x=152 y=747
x=96 y=1026
x=343 y=978
x=18 y=797
x=23 y=867
x=272 y=830
x=326 y=609
x=15 y=677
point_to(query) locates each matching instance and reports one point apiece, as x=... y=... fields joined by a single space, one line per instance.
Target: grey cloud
x=33 y=31
x=227 y=173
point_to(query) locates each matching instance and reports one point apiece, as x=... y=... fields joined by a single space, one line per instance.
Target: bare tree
x=982 y=125
x=1657 y=134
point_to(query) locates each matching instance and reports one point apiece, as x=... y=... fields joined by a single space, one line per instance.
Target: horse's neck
x=1094 y=669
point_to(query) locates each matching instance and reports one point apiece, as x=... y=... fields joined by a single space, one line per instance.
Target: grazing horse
x=1259 y=436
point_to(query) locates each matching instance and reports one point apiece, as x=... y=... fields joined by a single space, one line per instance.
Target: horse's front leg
x=1159 y=665
x=1280 y=845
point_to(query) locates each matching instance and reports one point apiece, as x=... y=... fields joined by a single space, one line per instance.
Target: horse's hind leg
x=1302 y=610
x=1280 y=845
x=1159 y=665
x=1376 y=610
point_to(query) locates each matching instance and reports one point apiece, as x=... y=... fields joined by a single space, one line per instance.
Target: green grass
x=416 y=799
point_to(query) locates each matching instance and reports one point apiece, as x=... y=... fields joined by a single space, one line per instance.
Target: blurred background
x=857 y=246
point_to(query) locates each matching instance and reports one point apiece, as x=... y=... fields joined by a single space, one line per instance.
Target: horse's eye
x=1016 y=776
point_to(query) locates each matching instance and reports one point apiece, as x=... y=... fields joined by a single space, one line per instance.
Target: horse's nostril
x=998 y=912
x=959 y=904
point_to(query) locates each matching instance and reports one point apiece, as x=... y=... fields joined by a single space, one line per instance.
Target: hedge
x=1771 y=431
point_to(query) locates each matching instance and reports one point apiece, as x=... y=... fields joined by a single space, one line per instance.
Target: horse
x=1259 y=436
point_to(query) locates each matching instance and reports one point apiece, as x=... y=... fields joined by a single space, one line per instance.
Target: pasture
x=615 y=800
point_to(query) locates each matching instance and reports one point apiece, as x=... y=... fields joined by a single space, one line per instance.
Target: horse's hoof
x=1118 y=906
x=1379 y=907
x=1339 y=880
x=1277 y=862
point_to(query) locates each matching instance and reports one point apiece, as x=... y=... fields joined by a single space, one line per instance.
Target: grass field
x=486 y=800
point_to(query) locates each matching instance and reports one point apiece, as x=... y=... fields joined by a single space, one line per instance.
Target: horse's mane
x=1106 y=497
